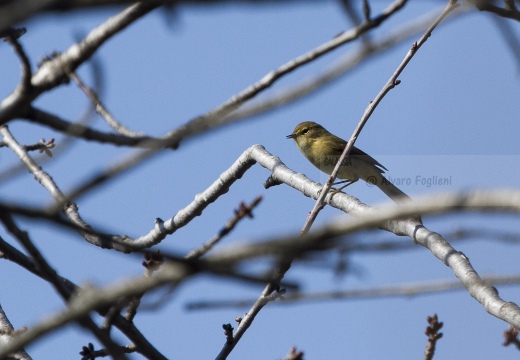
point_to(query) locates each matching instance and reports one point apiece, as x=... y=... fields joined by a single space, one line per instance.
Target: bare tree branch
x=70 y=209
x=7 y=332
x=95 y=298
x=54 y=72
x=103 y=111
x=216 y=117
x=509 y=11
x=407 y=290
x=242 y=212
x=65 y=143
x=390 y=84
x=109 y=301
x=343 y=66
x=25 y=85
x=53 y=278
x=320 y=203
x=41 y=117
x=126 y=327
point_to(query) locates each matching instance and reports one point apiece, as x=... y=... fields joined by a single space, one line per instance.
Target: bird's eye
x=305 y=131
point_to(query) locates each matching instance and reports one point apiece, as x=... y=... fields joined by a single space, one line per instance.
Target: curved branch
x=10 y=172
x=509 y=12
x=78 y=130
x=102 y=110
x=54 y=72
x=25 y=84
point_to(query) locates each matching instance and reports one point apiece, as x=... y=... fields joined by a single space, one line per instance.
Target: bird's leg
x=335 y=191
x=343 y=182
x=347 y=183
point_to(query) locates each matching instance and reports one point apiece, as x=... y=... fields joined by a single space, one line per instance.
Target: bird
x=324 y=149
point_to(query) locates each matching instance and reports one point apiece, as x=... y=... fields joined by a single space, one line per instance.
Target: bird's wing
x=355 y=152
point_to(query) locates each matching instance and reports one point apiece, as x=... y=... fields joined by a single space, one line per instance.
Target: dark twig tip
x=87 y=352
x=152 y=260
x=432 y=331
x=511 y=337
x=228 y=331
x=294 y=354
x=12 y=33
x=366 y=10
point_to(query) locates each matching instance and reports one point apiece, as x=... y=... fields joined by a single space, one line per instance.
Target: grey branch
x=91 y=298
x=407 y=290
x=55 y=71
x=7 y=332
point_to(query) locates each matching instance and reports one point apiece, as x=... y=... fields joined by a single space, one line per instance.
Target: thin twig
x=25 y=85
x=390 y=84
x=53 y=217
x=242 y=212
x=432 y=331
x=151 y=263
x=511 y=337
x=285 y=265
x=103 y=111
x=80 y=130
x=89 y=352
x=366 y=10
x=65 y=142
x=69 y=209
x=344 y=65
x=406 y=290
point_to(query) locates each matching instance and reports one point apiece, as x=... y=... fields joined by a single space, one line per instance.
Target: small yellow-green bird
x=323 y=150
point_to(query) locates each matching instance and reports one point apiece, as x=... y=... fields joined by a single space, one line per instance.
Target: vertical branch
x=391 y=83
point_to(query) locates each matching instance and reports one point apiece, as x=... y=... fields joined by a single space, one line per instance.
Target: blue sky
x=454 y=115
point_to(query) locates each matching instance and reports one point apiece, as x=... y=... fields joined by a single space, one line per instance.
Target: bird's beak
x=292 y=136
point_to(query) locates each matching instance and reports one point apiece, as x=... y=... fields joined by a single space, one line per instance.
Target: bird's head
x=306 y=133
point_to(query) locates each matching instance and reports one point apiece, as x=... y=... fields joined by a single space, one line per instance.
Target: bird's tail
x=392 y=191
